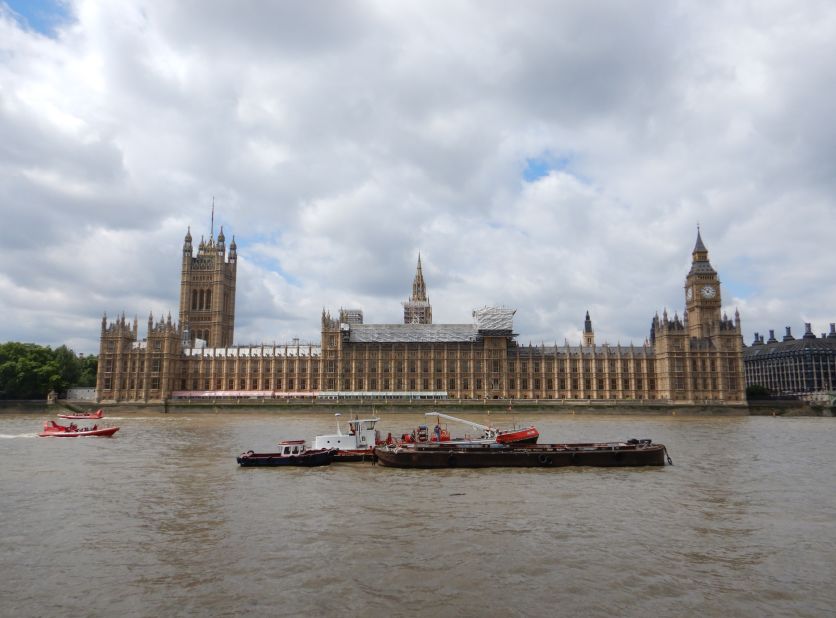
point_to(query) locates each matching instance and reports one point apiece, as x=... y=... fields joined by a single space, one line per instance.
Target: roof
x=413 y=333
x=780 y=348
x=598 y=351
x=699 y=246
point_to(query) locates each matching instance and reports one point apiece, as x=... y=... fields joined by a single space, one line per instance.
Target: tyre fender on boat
x=544 y=460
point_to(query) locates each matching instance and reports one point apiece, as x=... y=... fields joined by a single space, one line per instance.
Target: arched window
x=202 y=300
x=194 y=300
x=208 y=299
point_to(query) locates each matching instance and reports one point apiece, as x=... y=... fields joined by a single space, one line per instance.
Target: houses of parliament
x=693 y=359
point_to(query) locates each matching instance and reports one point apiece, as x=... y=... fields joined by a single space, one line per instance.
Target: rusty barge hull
x=540 y=456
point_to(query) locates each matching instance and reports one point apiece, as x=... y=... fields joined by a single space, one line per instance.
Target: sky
x=552 y=157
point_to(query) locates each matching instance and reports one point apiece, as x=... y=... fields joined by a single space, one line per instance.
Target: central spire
x=419 y=288
x=417 y=310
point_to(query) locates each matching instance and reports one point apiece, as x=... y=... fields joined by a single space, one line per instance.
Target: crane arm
x=460 y=420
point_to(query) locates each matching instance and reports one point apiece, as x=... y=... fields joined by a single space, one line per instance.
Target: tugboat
x=357 y=445
x=607 y=454
x=291 y=453
x=54 y=430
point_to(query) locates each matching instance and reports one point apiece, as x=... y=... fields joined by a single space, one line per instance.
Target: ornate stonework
x=694 y=359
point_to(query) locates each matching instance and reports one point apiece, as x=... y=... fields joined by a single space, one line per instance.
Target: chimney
x=788 y=336
x=772 y=338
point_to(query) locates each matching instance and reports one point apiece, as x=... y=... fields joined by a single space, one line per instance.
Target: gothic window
x=201 y=299
x=194 y=300
x=452 y=384
x=465 y=383
x=208 y=299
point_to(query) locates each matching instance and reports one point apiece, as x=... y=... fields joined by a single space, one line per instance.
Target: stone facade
x=207 y=291
x=696 y=359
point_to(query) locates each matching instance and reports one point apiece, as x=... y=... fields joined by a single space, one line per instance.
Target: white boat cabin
x=291 y=447
x=361 y=435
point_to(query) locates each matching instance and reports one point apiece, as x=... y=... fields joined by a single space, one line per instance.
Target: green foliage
x=756 y=391
x=30 y=371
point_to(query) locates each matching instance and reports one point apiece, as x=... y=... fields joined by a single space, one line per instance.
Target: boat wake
x=6 y=436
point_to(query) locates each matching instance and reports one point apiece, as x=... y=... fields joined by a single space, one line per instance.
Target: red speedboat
x=83 y=416
x=528 y=435
x=491 y=435
x=53 y=429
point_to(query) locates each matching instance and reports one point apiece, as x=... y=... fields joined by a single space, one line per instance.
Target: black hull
x=276 y=460
x=542 y=456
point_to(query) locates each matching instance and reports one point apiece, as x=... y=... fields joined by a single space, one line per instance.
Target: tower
x=417 y=310
x=702 y=293
x=207 y=290
x=588 y=333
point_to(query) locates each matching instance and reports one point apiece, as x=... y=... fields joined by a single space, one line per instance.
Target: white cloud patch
x=339 y=142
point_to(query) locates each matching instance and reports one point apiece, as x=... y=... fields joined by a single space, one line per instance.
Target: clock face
x=689 y=294
x=709 y=292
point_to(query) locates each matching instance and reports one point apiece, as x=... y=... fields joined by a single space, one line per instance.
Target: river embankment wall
x=242 y=406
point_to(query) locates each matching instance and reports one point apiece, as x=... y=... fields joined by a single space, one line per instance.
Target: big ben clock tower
x=702 y=293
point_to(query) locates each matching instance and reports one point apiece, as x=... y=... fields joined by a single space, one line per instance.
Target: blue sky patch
x=44 y=16
x=538 y=167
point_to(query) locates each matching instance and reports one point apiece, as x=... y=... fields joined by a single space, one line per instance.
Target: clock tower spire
x=702 y=293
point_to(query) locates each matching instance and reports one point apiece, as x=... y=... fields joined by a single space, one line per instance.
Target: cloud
x=554 y=158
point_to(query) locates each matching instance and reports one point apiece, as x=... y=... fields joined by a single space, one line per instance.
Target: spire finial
x=212 y=224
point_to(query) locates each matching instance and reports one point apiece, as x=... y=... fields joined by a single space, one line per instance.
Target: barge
x=602 y=454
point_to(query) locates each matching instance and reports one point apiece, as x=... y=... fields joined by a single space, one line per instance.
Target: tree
x=757 y=391
x=30 y=371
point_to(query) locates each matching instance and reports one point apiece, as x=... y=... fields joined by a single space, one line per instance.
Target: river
x=161 y=521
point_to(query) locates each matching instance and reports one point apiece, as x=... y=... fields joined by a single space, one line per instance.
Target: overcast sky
x=552 y=157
